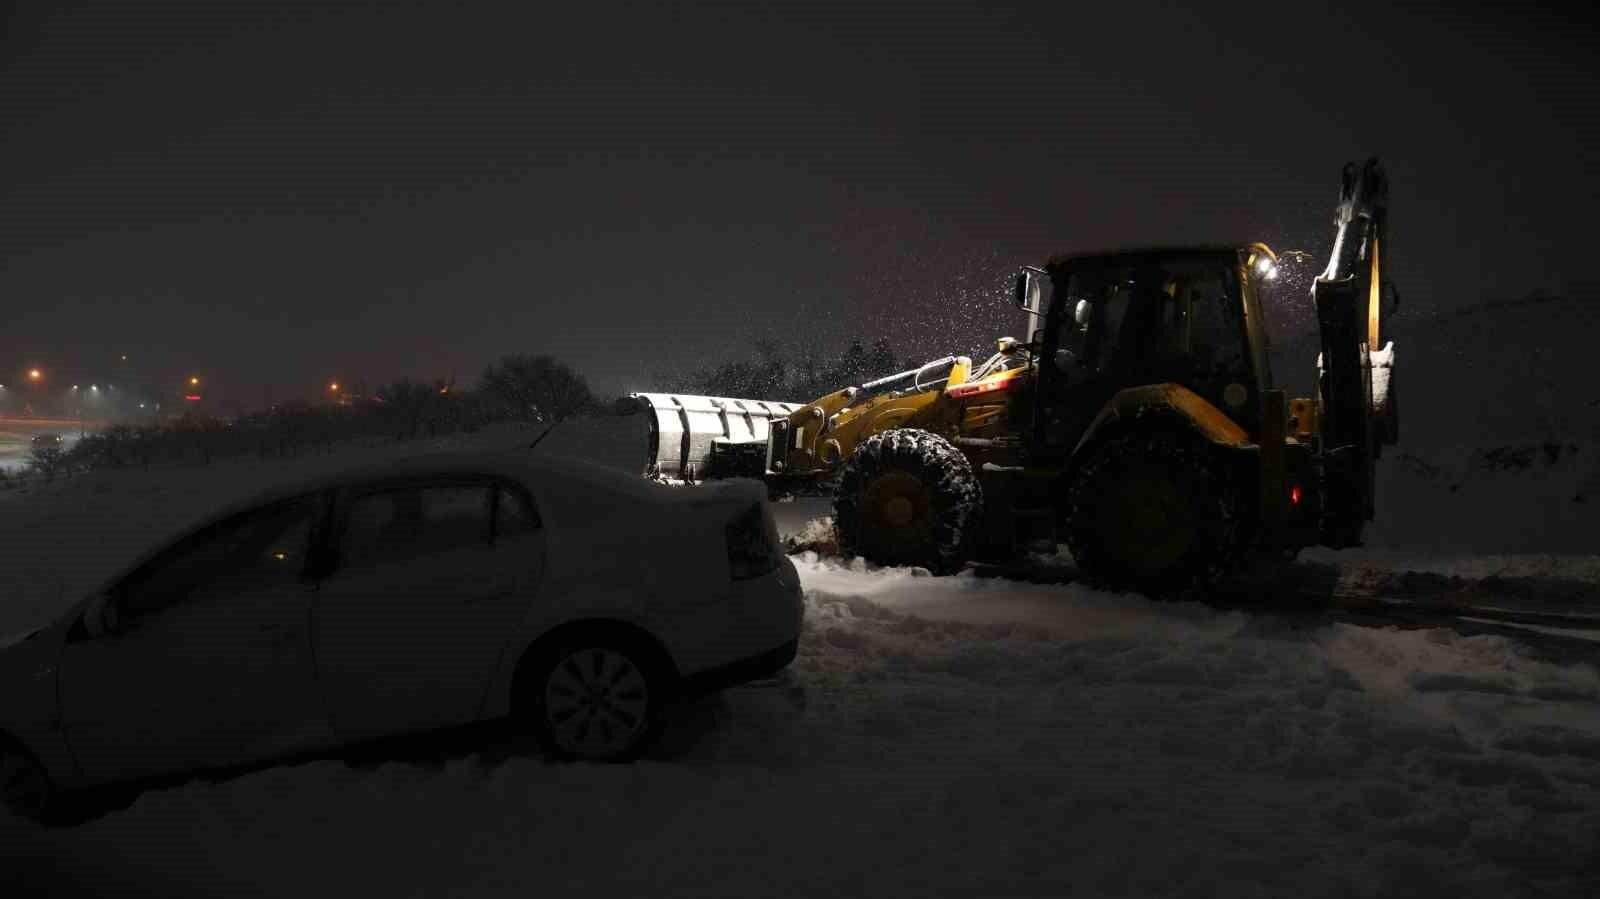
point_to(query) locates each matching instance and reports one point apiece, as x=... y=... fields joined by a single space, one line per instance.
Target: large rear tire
x=908 y=497
x=1155 y=511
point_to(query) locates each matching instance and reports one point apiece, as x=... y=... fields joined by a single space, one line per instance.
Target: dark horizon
x=275 y=200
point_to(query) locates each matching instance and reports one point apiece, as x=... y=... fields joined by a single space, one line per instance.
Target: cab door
x=1083 y=363
x=209 y=660
x=430 y=580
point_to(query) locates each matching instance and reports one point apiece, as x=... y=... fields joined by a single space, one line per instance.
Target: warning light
x=1294 y=495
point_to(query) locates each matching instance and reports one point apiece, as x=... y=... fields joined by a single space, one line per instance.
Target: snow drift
x=955 y=736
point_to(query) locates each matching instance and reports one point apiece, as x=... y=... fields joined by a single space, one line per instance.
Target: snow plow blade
x=696 y=437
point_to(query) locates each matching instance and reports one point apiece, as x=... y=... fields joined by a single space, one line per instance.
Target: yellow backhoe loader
x=1139 y=424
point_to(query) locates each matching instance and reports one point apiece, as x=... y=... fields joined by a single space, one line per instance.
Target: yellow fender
x=1208 y=421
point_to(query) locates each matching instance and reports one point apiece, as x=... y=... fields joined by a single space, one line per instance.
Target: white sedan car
x=426 y=594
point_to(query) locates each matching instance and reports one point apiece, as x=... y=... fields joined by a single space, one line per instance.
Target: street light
x=333 y=387
x=194 y=381
x=34 y=374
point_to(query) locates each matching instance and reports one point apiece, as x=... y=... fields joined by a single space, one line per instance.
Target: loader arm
x=1357 y=414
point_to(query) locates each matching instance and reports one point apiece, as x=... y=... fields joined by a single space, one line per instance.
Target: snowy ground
x=937 y=736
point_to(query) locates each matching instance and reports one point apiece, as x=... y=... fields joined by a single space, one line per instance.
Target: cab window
x=1095 y=339
x=1173 y=319
x=1217 y=333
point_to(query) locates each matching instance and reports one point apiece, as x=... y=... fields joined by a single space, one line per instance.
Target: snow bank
x=953 y=736
x=1488 y=374
x=957 y=737
x=1515 y=498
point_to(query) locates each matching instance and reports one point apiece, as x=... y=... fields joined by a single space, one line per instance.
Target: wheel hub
x=898 y=517
x=596 y=703
x=1146 y=522
x=898 y=511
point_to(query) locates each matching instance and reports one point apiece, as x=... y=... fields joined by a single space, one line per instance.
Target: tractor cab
x=1104 y=323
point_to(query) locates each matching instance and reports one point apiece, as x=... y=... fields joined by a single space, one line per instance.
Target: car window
x=393 y=524
x=514 y=514
x=263 y=548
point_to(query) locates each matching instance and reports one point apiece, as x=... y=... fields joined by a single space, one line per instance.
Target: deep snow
x=936 y=736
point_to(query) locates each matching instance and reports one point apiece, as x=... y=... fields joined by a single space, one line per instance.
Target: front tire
x=1154 y=511
x=596 y=699
x=908 y=497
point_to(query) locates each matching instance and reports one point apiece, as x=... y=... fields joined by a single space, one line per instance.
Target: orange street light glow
x=34 y=374
x=334 y=386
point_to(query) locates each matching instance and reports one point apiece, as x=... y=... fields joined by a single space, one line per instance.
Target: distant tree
x=406 y=405
x=47 y=461
x=881 y=361
x=809 y=380
x=535 y=388
x=852 y=367
x=770 y=375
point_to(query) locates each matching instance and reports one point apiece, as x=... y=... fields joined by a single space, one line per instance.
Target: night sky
x=374 y=190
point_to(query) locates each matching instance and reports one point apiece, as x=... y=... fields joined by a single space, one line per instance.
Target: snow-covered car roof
x=547 y=474
x=520 y=464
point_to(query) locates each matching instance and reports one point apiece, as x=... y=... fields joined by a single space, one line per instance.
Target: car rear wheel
x=25 y=788
x=595 y=701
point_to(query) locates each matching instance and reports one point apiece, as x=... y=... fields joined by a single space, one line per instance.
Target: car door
x=429 y=582
x=209 y=662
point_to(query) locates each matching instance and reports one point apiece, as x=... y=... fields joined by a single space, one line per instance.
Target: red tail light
x=1294 y=494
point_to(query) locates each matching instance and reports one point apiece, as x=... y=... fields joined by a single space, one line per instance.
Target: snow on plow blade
x=690 y=435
